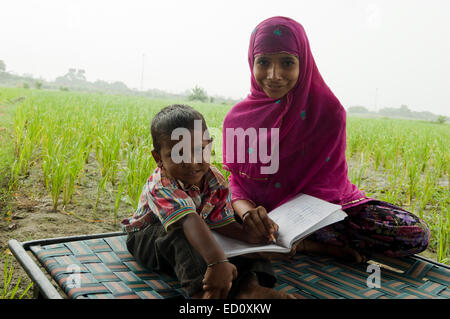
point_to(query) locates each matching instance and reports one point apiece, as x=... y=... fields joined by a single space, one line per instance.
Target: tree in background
x=441 y=119
x=402 y=111
x=197 y=93
x=2 y=66
x=357 y=109
x=38 y=84
x=80 y=75
x=72 y=76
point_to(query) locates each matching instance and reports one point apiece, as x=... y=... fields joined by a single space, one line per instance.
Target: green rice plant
x=357 y=175
x=109 y=157
x=140 y=165
x=413 y=171
x=423 y=154
x=74 y=167
x=119 y=193
x=426 y=192
x=444 y=234
x=56 y=168
x=20 y=165
x=57 y=177
x=378 y=157
x=47 y=149
x=25 y=138
x=396 y=176
x=100 y=190
x=9 y=292
x=19 y=128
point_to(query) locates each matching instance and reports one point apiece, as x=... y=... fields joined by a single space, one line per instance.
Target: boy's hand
x=218 y=280
x=258 y=225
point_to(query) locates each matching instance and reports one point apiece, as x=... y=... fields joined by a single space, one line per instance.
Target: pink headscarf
x=312 y=130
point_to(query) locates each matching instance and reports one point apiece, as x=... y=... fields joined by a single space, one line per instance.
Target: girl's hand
x=218 y=280
x=258 y=226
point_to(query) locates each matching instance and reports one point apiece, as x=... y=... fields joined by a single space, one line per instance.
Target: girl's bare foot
x=251 y=289
x=344 y=253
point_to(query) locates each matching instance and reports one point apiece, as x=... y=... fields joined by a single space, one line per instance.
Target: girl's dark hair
x=170 y=118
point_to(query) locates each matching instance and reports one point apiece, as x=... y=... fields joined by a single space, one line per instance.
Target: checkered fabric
x=103 y=268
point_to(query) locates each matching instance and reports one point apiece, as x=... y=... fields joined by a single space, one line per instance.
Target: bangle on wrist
x=245 y=214
x=218 y=262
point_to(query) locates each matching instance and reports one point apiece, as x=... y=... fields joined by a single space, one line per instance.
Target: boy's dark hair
x=170 y=118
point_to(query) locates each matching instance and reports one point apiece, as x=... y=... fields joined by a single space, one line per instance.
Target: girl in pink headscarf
x=292 y=112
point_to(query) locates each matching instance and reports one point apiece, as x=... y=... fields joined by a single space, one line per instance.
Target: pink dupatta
x=311 y=136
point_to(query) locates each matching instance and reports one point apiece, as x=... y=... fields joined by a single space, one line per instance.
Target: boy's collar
x=187 y=187
x=183 y=186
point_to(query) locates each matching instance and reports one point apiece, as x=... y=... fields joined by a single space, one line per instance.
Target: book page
x=233 y=247
x=297 y=217
x=330 y=219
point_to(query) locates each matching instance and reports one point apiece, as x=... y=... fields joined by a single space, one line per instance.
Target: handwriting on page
x=292 y=216
x=298 y=219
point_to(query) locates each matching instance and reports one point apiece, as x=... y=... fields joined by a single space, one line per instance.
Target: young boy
x=180 y=203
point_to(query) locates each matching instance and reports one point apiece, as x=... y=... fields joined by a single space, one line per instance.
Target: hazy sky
x=401 y=48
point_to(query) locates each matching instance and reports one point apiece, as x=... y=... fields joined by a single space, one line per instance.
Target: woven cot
x=99 y=266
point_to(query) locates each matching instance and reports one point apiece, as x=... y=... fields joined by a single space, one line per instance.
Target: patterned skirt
x=377 y=227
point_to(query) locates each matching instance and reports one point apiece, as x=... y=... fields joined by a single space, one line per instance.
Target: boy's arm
x=218 y=278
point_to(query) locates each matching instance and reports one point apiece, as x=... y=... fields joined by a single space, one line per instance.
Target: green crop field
x=58 y=134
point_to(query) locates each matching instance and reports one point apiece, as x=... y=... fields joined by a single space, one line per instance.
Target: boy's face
x=192 y=169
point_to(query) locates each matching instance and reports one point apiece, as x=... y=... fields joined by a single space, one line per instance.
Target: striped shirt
x=170 y=201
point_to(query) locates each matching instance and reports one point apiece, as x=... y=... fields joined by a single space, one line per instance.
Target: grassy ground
x=13 y=284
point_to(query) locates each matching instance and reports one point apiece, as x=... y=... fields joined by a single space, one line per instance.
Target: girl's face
x=276 y=73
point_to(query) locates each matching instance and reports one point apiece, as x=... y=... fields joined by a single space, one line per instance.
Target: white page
x=301 y=214
x=296 y=219
x=233 y=247
x=331 y=219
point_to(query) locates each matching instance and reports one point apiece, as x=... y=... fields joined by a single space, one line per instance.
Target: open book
x=296 y=219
